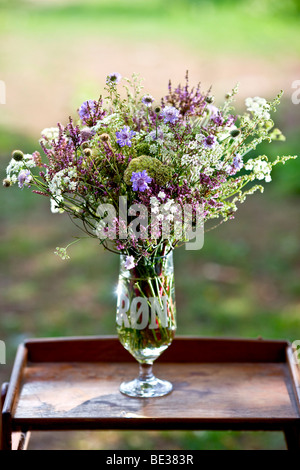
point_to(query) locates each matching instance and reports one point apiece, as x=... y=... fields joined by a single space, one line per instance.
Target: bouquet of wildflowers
x=142 y=175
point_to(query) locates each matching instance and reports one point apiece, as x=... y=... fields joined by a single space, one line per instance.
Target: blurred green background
x=245 y=280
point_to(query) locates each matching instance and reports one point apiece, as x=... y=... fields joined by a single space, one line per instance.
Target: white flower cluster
x=258 y=107
x=201 y=158
x=15 y=167
x=162 y=141
x=49 y=134
x=63 y=180
x=261 y=169
x=164 y=210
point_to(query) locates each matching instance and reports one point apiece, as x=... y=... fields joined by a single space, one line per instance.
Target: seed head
x=17 y=155
x=6 y=183
x=87 y=152
x=235 y=132
x=105 y=137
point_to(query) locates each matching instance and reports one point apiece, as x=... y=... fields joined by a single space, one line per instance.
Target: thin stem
x=145 y=371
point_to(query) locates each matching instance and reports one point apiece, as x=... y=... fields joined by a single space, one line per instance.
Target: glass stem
x=145 y=372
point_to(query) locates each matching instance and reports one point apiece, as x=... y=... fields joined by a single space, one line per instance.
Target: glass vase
x=146 y=319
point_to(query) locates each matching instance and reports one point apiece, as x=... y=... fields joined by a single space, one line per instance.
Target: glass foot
x=146 y=388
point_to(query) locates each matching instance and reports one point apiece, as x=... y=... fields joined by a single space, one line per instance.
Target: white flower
x=260 y=168
x=258 y=106
x=129 y=262
x=161 y=195
x=50 y=133
x=55 y=209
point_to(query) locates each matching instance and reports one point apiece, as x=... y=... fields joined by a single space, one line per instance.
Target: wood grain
x=65 y=391
x=219 y=383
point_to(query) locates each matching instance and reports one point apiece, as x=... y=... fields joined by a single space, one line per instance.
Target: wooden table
x=219 y=384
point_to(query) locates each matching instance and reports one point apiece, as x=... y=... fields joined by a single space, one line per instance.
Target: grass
x=185 y=22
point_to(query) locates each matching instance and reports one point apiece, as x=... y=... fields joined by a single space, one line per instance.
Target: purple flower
x=129 y=262
x=86 y=134
x=140 y=180
x=86 y=109
x=147 y=100
x=124 y=136
x=170 y=114
x=160 y=134
x=213 y=110
x=237 y=162
x=113 y=78
x=209 y=142
x=24 y=178
x=91 y=111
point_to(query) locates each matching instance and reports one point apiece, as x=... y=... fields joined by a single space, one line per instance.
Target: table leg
x=5 y=434
x=292 y=437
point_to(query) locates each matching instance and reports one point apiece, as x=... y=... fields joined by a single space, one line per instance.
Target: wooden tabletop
x=73 y=383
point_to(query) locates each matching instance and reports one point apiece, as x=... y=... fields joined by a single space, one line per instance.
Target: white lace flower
x=258 y=107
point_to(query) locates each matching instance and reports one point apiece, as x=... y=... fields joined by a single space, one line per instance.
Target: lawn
x=245 y=280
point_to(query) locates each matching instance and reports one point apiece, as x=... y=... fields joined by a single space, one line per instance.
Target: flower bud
x=17 y=155
x=157 y=109
x=105 y=137
x=235 y=132
x=209 y=99
x=85 y=145
x=87 y=152
x=6 y=183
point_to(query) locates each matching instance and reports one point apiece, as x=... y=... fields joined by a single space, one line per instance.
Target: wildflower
x=86 y=134
x=62 y=253
x=170 y=114
x=156 y=134
x=258 y=106
x=50 y=133
x=105 y=137
x=162 y=195
x=140 y=180
x=161 y=173
x=124 y=136
x=113 y=78
x=209 y=142
x=6 y=182
x=147 y=100
x=237 y=162
x=129 y=262
x=85 y=109
x=55 y=205
x=24 y=178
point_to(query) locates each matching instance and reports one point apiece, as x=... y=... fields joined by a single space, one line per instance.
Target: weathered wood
x=11 y=398
x=183 y=349
x=231 y=392
x=73 y=383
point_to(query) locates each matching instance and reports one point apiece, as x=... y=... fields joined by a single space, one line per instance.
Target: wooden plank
x=87 y=395
x=183 y=349
x=11 y=398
